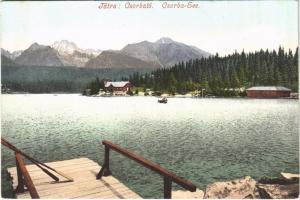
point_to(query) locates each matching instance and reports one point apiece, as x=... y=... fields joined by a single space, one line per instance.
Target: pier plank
x=69 y=169
x=82 y=176
x=58 y=163
x=85 y=185
x=33 y=168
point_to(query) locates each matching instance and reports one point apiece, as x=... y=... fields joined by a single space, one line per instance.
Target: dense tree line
x=93 y=87
x=42 y=86
x=42 y=79
x=225 y=75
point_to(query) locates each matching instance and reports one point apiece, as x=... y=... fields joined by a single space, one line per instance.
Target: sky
x=216 y=26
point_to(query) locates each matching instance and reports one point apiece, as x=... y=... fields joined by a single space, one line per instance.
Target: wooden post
x=20 y=187
x=106 y=171
x=27 y=179
x=167 y=188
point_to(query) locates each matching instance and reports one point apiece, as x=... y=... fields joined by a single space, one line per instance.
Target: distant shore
x=163 y=95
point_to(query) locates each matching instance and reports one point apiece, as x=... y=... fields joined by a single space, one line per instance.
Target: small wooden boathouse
x=268 y=92
x=81 y=177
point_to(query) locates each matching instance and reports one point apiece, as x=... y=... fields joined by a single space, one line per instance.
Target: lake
x=203 y=140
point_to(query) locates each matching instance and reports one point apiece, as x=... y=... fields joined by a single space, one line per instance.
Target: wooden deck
x=85 y=185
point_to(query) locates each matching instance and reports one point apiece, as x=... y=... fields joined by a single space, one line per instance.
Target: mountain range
x=163 y=53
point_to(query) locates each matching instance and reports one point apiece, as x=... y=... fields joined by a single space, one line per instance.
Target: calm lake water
x=203 y=140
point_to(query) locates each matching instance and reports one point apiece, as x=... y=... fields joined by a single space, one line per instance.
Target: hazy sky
x=214 y=27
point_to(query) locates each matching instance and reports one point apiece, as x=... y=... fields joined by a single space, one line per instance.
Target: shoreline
x=148 y=96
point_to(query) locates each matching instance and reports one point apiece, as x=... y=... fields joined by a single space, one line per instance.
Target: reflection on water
x=204 y=140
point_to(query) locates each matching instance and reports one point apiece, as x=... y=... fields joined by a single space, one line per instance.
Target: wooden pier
x=81 y=178
x=85 y=184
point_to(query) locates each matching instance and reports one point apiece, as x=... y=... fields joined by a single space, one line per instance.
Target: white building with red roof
x=118 y=87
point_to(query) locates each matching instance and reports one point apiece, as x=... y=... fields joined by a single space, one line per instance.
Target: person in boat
x=163 y=100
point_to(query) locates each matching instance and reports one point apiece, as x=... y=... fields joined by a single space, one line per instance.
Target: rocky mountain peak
x=164 y=40
x=10 y=55
x=35 y=46
x=39 y=55
x=5 y=53
x=65 y=47
x=165 y=52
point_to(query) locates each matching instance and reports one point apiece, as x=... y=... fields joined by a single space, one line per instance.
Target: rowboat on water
x=163 y=100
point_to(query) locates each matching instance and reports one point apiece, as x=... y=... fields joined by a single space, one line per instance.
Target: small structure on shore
x=268 y=92
x=117 y=88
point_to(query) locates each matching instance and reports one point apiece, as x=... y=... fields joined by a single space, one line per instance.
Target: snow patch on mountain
x=67 y=47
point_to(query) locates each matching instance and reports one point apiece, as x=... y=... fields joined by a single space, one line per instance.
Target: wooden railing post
x=167 y=188
x=28 y=181
x=105 y=171
x=20 y=187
